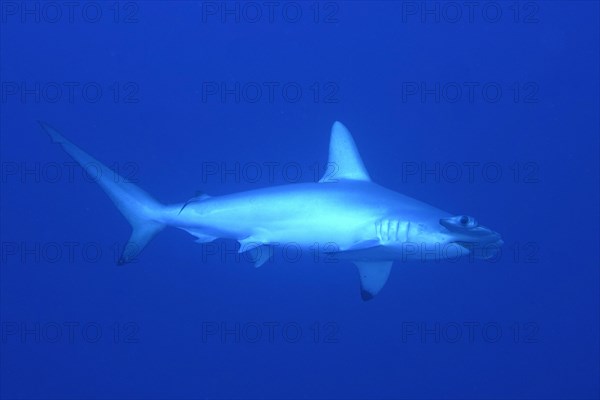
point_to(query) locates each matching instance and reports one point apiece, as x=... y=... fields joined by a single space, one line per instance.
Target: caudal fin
x=138 y=207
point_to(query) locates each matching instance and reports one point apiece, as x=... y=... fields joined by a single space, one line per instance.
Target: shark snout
x=466 y=232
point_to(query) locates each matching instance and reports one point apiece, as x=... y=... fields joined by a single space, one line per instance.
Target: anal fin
x=200 y=237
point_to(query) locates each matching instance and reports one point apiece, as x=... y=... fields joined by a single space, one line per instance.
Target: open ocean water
x=484 y=108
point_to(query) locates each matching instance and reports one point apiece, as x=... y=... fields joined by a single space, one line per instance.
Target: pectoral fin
x=373 y=276
x=365 y=244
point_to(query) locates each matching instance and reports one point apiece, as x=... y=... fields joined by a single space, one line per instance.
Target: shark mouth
x=480 y=241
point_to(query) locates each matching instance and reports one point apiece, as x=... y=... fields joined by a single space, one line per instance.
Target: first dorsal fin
x=344 y=160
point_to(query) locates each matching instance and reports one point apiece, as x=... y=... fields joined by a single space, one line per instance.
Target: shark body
x=344 y=213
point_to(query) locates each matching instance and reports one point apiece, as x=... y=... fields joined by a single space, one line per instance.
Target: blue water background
x=364 y=58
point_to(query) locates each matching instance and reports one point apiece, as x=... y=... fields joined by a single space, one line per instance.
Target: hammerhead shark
x=371 y=226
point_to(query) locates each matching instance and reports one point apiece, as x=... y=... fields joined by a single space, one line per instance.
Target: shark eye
x=459 y=223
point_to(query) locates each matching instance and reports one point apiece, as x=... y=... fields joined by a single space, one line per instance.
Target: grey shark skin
x=344 y=213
